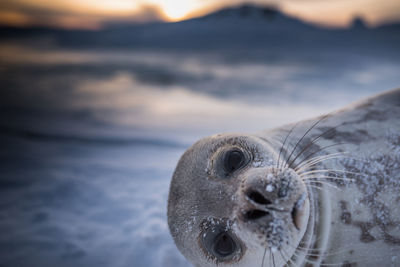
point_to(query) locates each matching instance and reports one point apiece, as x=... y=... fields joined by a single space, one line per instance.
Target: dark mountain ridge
x=235 y=28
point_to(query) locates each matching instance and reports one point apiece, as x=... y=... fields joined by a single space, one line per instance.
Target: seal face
x=230 y=202
x=293 y=197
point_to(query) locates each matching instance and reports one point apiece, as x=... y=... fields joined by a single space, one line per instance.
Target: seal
x=321 y=192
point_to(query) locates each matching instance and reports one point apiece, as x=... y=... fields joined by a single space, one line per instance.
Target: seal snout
x=273 y=205
x=270 y=194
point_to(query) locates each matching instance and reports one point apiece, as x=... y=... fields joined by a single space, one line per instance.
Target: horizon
x=97 y=15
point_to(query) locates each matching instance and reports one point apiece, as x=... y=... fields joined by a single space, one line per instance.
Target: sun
x=176 y=10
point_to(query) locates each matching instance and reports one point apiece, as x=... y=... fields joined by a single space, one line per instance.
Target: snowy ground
x=85 y=205
x=90 y=140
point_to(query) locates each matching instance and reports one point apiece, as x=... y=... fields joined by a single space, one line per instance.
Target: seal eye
x=233 y=160
x=224 y=245
x=219 y=243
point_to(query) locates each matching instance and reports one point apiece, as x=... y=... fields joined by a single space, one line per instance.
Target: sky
x=93 y=14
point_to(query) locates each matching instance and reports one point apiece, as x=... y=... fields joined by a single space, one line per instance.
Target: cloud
x=342 y=13
x=74 y=15
x=94 y=14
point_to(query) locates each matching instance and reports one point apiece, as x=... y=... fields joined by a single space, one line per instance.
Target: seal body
x=324 y=191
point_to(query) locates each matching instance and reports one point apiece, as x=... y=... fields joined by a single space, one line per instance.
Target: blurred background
x=99 y=98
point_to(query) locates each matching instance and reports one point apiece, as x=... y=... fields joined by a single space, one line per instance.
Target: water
x=89 y=139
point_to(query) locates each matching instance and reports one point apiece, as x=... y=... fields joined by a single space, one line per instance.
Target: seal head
x=230 y=203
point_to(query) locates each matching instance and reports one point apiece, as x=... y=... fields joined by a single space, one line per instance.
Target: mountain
x=245 y=27
x=246 y=15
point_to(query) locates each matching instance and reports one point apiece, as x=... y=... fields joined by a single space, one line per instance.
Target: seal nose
x=260 y=201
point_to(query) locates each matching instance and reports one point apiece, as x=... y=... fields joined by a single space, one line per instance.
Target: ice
x=269 y=188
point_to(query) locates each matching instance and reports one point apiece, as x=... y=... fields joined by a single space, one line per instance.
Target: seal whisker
x=273 y=257
x=326 y=170
x=322 y=253
x=283 y=144
x=324 y=264
x=327 y=184
x=306 y=260
x=311 y=143
x=316 y=160
x=319 y=150
x=315 y=163
x=263 y=258
x=318 y=250
x=325 y=180
x=301 y=139
x=319 y=187
x=314 y=262
x=289 y=260
x=270 y=257
x=327 y=177
x=303 y=248
x=316 y=187
x=284 y=258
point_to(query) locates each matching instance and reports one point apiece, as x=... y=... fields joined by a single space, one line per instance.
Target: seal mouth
x=297 y=212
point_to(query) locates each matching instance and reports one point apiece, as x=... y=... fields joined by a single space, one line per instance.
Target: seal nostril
x=294 y=214
x=258 y=198
x=255 y=214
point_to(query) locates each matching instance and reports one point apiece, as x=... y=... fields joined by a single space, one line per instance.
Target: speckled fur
x=354 y=220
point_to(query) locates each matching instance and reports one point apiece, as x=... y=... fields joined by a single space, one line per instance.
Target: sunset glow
x=341 y=13
x=94 y=13
x=177 y=9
